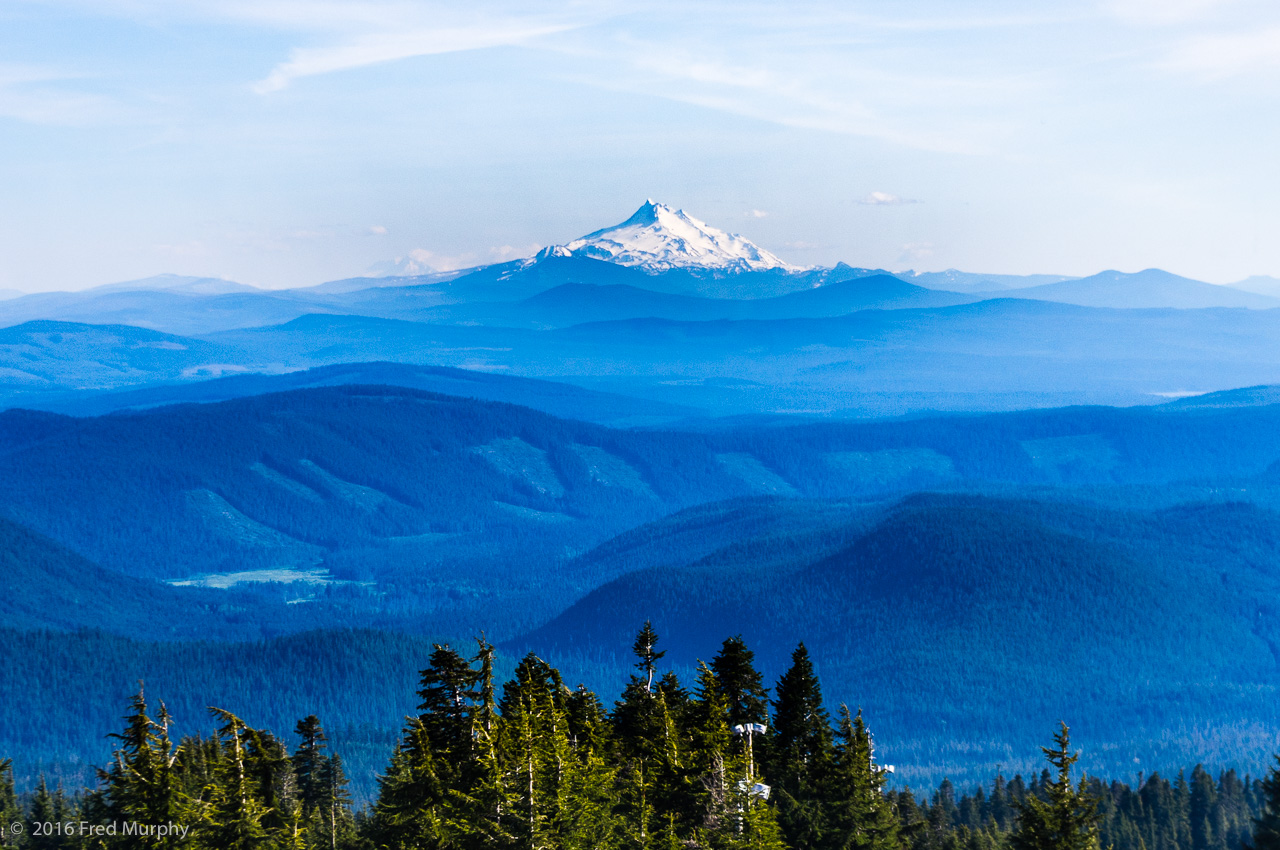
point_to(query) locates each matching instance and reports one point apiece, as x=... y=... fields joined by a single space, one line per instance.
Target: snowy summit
x=658 y=238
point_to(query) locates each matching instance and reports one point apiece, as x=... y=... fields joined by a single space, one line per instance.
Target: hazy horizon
x=279 y=144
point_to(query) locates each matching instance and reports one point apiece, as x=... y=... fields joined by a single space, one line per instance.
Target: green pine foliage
x=533 y=764
x=1066 y=817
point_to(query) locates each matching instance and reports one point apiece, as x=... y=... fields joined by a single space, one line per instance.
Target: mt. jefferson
x=657 y=239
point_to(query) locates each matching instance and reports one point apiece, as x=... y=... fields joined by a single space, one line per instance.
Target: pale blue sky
x=281 y=142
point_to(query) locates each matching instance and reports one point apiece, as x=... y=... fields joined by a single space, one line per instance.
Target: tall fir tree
x=236 y=819
x=646 y=651
x=800 y=752
x=1066 y=816
x=861 y=818
x=1266 y=830
x=411 y=796
x=648 y=748
x=740 y=683
x=308 y=761
x=10 y=812
x=47 y=807
x=333 y=824
x=141 y=785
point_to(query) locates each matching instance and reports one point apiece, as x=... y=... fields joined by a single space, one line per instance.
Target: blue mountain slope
x=1151 y=288
x=370 y=481
x=971 y=623
x=558 y=399
x=1001 y=353
x=954 y=280
x=177 y=311
x=992 y=354
x=46 y=355
x=578 y=303
x=46 y=586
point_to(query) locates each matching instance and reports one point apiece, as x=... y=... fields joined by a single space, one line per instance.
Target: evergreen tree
x=648 y=748
x=308 y=763
x=141 y=786
x=9 y=810
x=1266 y=831
x=1066 y=817
x=236 y=821
x=860 y=817
x=333 y=810
x=535 y=750
x=408 y=812
x=646 y=652
x=740 y=683
x=800 y=754
x=448 y=695
x=47 y=807
x=486 y=800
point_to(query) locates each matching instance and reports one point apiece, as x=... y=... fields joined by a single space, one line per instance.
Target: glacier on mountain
x=657 y=238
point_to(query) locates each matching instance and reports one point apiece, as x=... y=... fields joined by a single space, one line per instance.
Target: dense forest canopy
x=720 y=762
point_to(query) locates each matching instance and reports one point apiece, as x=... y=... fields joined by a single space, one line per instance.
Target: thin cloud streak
x=1218 y=57
x=392 y=46
x=36 y=95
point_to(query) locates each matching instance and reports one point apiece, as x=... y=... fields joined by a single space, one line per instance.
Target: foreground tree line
x=541 y=765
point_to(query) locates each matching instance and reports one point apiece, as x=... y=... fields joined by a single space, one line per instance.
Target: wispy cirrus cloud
x=1220 y=56
x=41 y=95
x=1164 y=12
x=389 y=46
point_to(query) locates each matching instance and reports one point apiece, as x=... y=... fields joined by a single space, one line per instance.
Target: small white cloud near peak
x=914 y=253
x=377 y=230
x=502 y=253
x=756 y=214
x=884 y=199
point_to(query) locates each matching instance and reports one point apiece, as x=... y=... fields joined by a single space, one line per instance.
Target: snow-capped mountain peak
x=658 y=238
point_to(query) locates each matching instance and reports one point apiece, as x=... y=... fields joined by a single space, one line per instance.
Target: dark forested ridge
x=721 y=761
x=948 y=613
x=559 y=399
x=967 y=580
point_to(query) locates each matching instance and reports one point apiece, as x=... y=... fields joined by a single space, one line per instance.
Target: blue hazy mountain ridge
x=45 y=355
x=1241 y=397
x=954 y=280
x=177 y=311
x=176 y=283
x=446 y=516
x=558 y=399
x=995 y=354
x=46 y=586
x=960 y=617
x=579 y=303
x=999 y=354
x=185 y=305
x=1151 y=288
x=429 y=491
x=1261 y=284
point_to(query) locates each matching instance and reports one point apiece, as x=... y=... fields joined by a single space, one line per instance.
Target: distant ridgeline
x=533 y=763
x=965 y=579
x=280 y=501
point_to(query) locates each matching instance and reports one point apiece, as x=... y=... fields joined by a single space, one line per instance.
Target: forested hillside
x=951 y=618
x=718 y=761
x=1118 y=549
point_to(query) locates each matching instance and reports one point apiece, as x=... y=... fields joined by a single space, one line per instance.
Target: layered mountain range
x=667 y=308
x=984 y=502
